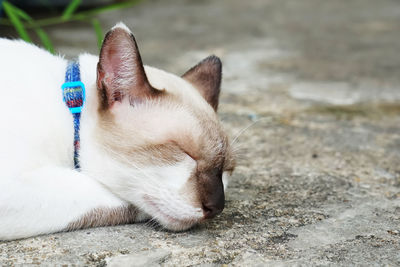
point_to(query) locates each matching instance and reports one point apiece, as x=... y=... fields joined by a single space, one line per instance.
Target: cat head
x=166 y=150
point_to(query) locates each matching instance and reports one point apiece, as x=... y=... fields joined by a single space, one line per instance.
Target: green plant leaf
x=83 y=15
x=45 y=40
x=22 y=14
x=14 y=16
x=70 y=9
x=98 y=30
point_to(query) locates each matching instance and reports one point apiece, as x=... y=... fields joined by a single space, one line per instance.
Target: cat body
x=151 y=146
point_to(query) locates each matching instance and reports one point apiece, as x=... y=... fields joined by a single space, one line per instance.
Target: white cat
x=151 y=146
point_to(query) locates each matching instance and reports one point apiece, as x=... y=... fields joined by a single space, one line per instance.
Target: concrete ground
x=318 y=179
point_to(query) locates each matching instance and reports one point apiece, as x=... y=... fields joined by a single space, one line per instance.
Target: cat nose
x=211 y=211
x=212 y=193
x=213 y=207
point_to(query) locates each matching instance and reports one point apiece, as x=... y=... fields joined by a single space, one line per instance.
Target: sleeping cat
x=150 y=144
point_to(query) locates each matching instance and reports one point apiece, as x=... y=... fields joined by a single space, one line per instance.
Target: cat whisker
x=246 y=128
x=238 y=148
x=235 y=146
x=152 y=223
x=241 y=156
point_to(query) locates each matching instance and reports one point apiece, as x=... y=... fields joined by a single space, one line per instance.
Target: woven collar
x=74 y=97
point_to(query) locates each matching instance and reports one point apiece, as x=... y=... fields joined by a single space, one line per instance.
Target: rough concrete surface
x=318 y=175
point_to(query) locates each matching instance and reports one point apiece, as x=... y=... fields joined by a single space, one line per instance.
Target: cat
x=151 y=146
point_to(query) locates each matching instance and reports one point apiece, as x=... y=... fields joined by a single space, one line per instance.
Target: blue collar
x=74 y=97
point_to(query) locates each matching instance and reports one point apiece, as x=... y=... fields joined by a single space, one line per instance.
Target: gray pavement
x=318 y=179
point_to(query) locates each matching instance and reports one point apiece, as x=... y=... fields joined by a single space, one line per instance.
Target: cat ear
x=120 y=71
x=206 y=77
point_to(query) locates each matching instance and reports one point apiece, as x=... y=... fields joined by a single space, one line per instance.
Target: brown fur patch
x=120 y=55
x=206 y=77
x=205 y=188
x=215 y=149
x=105 y=217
